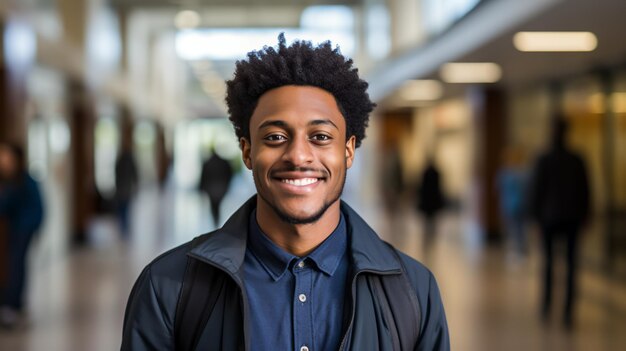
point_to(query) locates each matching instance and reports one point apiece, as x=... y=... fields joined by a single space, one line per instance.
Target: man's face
x=298 y=152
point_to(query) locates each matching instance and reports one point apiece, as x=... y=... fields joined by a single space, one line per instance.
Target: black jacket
x=560 y=190
x=150 y=313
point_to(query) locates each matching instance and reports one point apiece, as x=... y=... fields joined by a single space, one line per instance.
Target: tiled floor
x=491 y=297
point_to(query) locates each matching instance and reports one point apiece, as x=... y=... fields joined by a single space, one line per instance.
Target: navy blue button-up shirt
x=295 y=302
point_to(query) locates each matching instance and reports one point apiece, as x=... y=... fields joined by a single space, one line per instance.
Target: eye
x=321 y=138
x=275 y=138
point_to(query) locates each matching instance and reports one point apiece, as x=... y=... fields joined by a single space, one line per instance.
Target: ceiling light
x=471 y=72
x=555 y=41
x=421 y=90
x=187 y=19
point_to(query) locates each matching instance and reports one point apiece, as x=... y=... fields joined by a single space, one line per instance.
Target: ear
x=350 y=151
x=244 y=144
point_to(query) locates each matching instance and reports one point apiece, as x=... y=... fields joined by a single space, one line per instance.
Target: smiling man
x=294 y=268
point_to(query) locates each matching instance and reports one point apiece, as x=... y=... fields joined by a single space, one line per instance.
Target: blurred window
x=318 y=24
x=439 y=15
x=144 y=140
x=106 y=141
x=19 y=44
x=59 y=136
x=378 y=31
x=37 y=149
x=327 y=18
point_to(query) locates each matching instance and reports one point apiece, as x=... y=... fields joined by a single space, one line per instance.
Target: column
x=489 y=118
x=81 y=119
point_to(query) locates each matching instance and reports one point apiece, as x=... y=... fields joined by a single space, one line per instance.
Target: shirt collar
x=276 y=261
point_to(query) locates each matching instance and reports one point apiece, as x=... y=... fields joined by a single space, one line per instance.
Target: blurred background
x=119 y=107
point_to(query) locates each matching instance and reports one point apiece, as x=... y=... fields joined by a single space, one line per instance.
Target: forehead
x=297 y=105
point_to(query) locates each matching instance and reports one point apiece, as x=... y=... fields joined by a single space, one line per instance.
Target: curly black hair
x=298 y=64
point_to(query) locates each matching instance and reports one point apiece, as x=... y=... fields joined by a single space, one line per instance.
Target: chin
x=304 y=213
x=301 y=216
x=301 y=219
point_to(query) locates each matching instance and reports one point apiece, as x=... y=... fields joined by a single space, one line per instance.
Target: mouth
x=300 y=181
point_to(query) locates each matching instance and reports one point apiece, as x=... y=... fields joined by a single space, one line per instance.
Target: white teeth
x=300 y=182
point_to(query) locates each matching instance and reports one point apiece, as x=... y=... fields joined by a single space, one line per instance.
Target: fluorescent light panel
x=470 y=72
x=555 y=41
x=421 y=90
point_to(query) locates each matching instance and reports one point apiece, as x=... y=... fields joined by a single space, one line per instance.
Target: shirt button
x=304 y=348
x=302 y=298
x=301 y=264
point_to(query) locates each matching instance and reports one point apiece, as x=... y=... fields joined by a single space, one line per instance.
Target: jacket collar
x=226 y=247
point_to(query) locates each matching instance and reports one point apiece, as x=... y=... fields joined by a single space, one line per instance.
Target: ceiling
x=235 y=3
x=605 y=18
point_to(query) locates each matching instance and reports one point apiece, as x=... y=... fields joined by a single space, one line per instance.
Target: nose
x=298 y=152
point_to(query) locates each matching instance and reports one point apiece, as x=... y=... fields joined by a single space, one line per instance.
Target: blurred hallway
x=461 y=83
x=490 y=295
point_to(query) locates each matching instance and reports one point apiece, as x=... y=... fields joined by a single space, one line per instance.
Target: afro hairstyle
x=298 y=64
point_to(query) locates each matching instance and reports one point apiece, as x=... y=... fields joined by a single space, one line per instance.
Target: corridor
x=119 y=110
x=491 y=296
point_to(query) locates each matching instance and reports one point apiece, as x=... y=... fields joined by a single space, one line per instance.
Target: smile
x=300 y=181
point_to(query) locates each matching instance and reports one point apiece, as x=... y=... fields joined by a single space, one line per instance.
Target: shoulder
x=163 y=277
x=169 y=266
x=420 y=277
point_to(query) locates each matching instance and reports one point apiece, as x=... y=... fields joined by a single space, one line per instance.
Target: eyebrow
x=274 y=123
x=323 y=122
x=279 y=123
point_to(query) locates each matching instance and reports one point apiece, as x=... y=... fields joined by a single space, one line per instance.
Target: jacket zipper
x=352 y=297
x=244 y=300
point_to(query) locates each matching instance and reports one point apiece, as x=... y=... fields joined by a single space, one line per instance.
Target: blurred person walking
x=21 y=208
x=430 y=200
x=214 y=181
x=126 y=179
x=560 y=205
x=512 y=183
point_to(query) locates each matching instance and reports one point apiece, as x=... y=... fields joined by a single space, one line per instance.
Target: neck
x=297 y=239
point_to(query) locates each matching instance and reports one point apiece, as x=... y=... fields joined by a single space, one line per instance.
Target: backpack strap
x=202 y=285
x=399 y=306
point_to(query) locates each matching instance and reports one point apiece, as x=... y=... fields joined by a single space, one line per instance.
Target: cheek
x=335 y=161
x=261 y=160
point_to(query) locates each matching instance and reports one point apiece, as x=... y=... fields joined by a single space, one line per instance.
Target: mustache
x=299 y=169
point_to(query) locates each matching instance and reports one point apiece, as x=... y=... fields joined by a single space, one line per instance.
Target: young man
x=294 y=268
